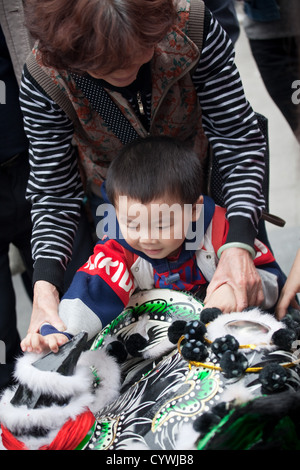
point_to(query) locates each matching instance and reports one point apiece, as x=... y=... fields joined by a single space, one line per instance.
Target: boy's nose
x=147 y=240
x=145 y=236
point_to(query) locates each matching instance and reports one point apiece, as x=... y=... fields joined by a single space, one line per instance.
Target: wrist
x=44 y=286
x=240 y=245
x=44 y=289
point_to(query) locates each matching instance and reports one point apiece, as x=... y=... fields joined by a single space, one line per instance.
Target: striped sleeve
x=54 y=187
x=232 y=129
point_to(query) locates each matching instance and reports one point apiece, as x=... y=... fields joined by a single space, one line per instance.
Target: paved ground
x=284 y=174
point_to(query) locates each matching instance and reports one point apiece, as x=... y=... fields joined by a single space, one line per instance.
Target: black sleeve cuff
x=50 y=271
x=241 y=230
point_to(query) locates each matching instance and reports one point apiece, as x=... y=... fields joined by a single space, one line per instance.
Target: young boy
x=170 y=237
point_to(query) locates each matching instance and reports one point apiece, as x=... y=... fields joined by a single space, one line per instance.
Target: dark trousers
x=15 y=227
x=278 y=63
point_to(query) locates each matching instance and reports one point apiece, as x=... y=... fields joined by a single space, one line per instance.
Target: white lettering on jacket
x=113 y=269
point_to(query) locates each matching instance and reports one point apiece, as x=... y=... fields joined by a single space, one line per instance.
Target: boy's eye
x=165 y=224
x=133 y=226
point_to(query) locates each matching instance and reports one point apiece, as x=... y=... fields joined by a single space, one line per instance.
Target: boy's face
x=158 y=229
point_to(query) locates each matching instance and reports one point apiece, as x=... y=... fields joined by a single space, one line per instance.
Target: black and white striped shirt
x=55 y=187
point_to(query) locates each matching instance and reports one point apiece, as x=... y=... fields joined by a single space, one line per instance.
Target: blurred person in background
x=273 y=31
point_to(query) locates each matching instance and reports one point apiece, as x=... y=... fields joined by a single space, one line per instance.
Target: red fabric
x=68 y=438
x=10 y=442
x=112 y=263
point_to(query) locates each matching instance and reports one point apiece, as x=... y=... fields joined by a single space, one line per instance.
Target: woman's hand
x=236 y=268
x=45 y=309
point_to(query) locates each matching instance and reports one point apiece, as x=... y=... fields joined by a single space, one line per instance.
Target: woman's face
x=124 y=77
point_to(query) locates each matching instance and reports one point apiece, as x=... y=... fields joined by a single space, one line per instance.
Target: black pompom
x=176 y=330
x=194 y=350
x=233 y=363
x=294 y=314
x=117 y=350
x=284 y=338
x=135 y=344
x=209 y=314
x=221 y=409
x=273 y=378
x=204 y=423
x=289 y=322
x=195 y=329
x=223 y=344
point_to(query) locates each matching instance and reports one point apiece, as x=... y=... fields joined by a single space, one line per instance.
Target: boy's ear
x=196 y=209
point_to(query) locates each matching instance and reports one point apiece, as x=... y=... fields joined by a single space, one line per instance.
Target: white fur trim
x=217 y=328
x=238 y=393
x=49 y=382
x=187 y=438
x=17 y=418
x=52 y=418
x=109 y=373
x=78 y=386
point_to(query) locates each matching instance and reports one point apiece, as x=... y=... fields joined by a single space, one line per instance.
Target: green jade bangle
x=244 y=246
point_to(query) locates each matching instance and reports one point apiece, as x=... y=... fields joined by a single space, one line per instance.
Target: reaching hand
x=45 y=310
x=290 y=289
x=35 y=342
x=236 y=268
x=223 y=298
x=45 y=307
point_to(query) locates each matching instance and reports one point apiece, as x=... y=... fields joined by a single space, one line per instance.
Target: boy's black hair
x=155 y=167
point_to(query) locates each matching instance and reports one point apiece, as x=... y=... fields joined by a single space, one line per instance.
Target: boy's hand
x=223 y=298
x=35 y=342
